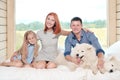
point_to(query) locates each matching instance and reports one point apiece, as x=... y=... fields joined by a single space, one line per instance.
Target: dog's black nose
x=77 y=55
x=111 y=71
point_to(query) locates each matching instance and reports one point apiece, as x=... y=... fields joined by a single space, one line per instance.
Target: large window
x=30 y=14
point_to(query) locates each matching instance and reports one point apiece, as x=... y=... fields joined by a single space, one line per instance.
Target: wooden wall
x=3 y=26
x=118 y=20
x=7 y=28
x=10 y=27
x=113 y=21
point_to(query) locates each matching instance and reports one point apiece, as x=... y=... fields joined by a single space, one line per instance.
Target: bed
x=60 y=73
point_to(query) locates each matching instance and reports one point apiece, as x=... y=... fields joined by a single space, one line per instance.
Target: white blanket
x=60 y=73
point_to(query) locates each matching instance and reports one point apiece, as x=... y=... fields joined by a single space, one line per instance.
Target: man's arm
x=99 y=51
x=68 y=49
x=71 y=59
x=100 y=60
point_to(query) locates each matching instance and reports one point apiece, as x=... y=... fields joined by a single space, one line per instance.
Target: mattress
x=61 y=72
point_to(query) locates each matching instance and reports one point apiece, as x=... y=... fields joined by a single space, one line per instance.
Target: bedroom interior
x=7 y=40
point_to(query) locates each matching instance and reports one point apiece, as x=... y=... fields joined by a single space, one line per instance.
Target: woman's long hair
x=56 y=27
x=23 y=50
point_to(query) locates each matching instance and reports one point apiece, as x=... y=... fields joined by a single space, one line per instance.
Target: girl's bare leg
x=27 y=65
x=17 y=63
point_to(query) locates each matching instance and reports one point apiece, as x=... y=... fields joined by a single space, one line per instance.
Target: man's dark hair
x=76 y=19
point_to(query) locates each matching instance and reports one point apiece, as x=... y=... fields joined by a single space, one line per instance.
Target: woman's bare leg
x=39 y=64
x=51 y=65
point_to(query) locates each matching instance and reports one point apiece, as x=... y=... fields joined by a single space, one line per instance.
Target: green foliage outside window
x=65 y=25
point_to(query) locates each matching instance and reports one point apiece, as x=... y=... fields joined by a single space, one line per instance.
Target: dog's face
x=80 y=50
x=112 y=65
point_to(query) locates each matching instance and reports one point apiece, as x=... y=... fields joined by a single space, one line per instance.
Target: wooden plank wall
x=3 y=32
x=118 y=20
x=111 y=22
x=10 y=27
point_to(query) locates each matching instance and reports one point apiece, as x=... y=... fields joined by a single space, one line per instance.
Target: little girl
x=26 y=54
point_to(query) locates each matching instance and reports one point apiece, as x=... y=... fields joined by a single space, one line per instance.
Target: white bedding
x=60 y=73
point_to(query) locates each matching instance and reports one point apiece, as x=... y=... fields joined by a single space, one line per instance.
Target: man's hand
x=76 y=60
x=100 y=64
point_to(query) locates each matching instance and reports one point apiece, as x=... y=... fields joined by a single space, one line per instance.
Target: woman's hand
x=87 y=30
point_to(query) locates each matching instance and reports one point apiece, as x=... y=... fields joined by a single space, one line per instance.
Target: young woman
x=28 y=51
x=49 y=41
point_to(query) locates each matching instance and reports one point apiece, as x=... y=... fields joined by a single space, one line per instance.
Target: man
x=78 y=35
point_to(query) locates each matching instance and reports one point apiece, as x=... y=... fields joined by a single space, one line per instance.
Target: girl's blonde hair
x=23 y=50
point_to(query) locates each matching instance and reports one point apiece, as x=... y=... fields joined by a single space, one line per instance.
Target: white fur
x=112 y=64
x=88 y=54
x=60 y=60
x=89 y=57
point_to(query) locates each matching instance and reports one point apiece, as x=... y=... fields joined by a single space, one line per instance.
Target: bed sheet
x=60 y=73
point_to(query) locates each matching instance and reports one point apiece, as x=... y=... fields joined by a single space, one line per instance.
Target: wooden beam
x=112 y=37
x=10 y=27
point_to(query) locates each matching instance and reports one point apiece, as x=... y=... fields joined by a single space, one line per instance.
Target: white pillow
x=114 y=50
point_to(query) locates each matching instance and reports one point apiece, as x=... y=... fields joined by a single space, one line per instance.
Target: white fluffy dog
x=111 y=64
x=60 y=60
x=86 y=53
